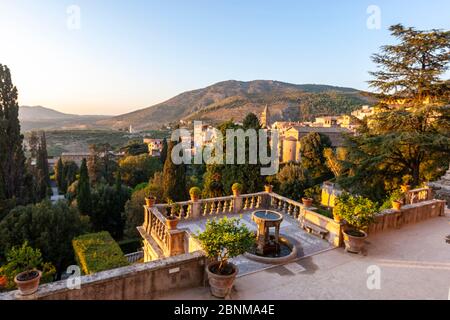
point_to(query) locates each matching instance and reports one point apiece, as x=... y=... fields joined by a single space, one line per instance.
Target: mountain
x=38 y=117
x=234 y=99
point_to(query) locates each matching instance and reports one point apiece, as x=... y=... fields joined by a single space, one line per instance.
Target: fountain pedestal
x=265 y=242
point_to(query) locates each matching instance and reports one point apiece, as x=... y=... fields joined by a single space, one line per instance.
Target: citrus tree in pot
x=224 y=239
x=237 y=189
x=23 y=268
x=359 y=213
x=195 y=193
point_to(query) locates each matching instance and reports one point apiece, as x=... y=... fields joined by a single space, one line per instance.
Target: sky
x=113 y=57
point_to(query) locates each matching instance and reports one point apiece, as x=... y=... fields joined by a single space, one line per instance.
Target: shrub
x=396 y=195
x=195 y=191
x=97 y=252
x=358 y=211
x=224 y=239
x=25 y=258
x=236 y=187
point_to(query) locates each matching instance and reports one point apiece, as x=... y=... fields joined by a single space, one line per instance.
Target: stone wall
x=137 y=282
x=411 y=213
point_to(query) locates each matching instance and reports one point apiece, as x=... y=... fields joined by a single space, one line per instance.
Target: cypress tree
x=174 y=178
x=12 y=158
x=84 y=190
x=59 y=174
x=163 y=156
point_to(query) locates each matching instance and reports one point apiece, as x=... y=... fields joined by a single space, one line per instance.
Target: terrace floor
x=305 y=243
x=414 y=263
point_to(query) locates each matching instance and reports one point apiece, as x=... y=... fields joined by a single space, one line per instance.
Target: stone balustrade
x=418 y=195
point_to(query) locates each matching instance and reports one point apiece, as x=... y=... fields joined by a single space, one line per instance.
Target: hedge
x=97 y=252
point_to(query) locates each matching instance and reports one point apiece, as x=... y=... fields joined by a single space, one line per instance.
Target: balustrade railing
x=155 y=225
x=285 y=205
x=217 y=206
x=135 y=256
x=418 y=195
x=183 y=212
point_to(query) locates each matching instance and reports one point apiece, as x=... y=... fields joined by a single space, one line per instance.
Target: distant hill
x=38 y=117
x=234 y=99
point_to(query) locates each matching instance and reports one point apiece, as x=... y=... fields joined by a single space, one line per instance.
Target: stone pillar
x=176 y=242
x=196 y=209
x=237 y=204
x=145 y=217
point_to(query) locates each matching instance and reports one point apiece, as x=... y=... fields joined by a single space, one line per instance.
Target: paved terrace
x=414 y=262
x=306 y=243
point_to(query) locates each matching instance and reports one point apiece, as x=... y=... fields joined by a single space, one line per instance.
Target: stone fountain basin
x=275 y=260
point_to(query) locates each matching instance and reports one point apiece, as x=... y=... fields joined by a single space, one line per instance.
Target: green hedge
x=97 y=252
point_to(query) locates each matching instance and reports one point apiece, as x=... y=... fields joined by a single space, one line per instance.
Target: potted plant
x=22 y=269
x=394 y=201
x=237 y=189
x=311 y=195
x=336 y=216
x=172 y=219
x=224 y=239
x=268 y=188
x=195 y=193
x=307 y=202
x=359 y=213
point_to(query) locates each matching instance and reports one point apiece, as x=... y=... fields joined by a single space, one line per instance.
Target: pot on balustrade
x=268 y=188
x=172 y=222
x=28 y=281
x=150 y=201
x=397 y=205
x=307 y=202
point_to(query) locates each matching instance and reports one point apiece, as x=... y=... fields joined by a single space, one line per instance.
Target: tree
x=312 y=148
x=101 y=167
x=163 y=155
x=47 y=227
x=84 y=200
x=59 y=174
x=108 y=206
x=174 y=184
x=410 y=133
x=293 y=179
x=42 y=173
x=12 y=158
x=138 y=169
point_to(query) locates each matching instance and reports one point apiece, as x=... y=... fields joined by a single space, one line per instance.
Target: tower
x=265 y=117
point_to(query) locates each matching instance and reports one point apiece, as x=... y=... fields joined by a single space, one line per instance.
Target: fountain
x=270 y=247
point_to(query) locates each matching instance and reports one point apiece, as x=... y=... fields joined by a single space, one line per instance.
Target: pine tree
x=410 y=133
x=84 y=190
x=12 y=158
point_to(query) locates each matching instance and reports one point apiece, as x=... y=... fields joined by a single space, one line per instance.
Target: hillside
x=37 y=118
x=234 y=99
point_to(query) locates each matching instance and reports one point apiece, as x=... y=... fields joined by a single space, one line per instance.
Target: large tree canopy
x=409 y=135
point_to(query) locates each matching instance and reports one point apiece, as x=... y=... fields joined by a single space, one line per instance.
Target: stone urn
x=150 y=201
x=221 y=285
x=354 y=240
x=268 y=188
x=307 y=202
x=172 y=222
x=28 y=281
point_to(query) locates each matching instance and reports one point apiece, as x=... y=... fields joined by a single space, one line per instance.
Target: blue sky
x=129 y=55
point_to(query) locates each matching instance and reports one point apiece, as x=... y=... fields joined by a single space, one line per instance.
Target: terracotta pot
x=28 y=287
x=3 y=281
x=236 y=193
x=397 y=205
x=405 y=188
x=221 y=285
x=172 y=223
x=268 y=188
x=307 y=202
x=150 y=202
x=354 y=243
